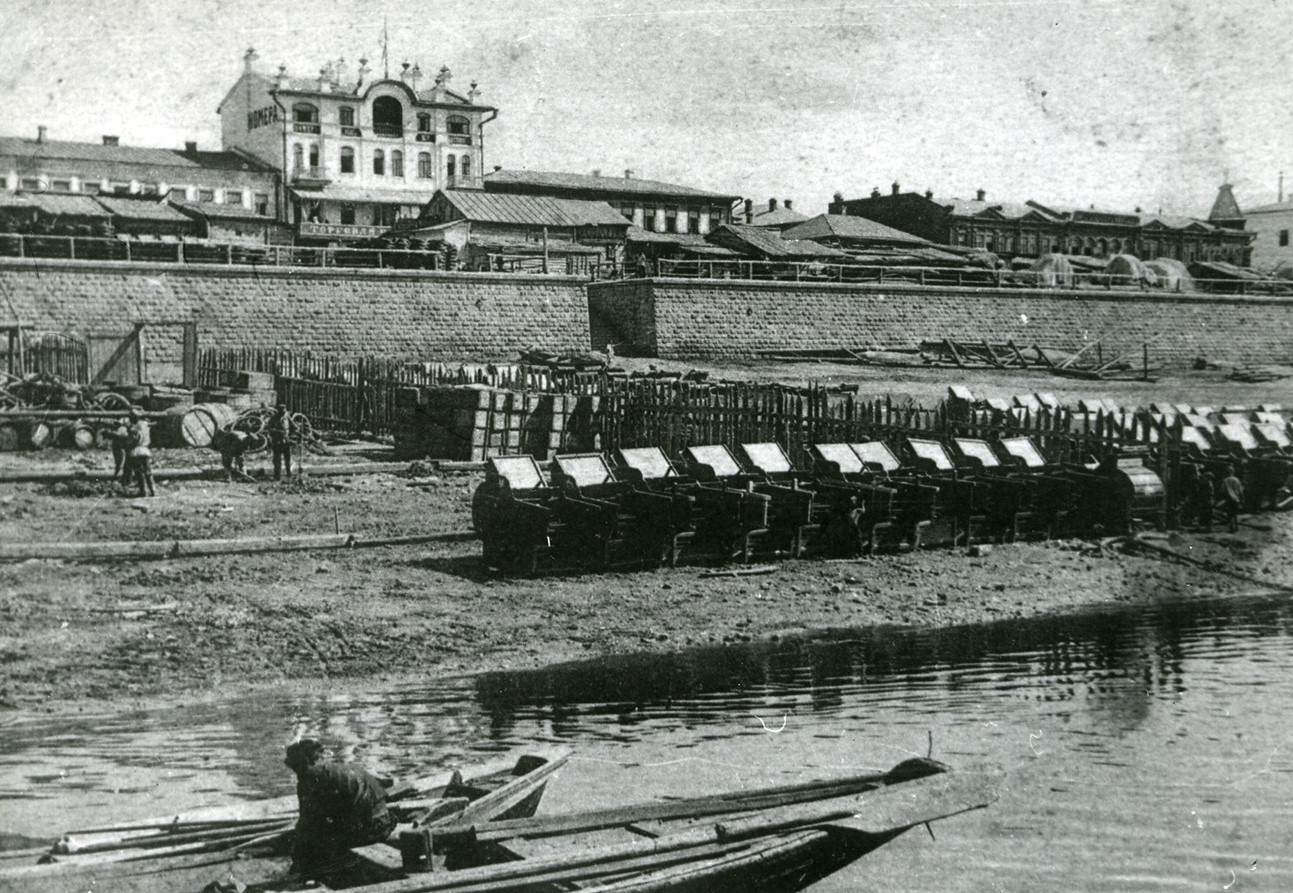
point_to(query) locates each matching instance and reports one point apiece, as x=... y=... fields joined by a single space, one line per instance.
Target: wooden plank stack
x=473 y=423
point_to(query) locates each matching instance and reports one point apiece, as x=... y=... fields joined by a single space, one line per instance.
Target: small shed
x=233 y=223
x=146 y=216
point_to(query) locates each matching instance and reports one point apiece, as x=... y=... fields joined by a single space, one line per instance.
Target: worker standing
x=232 y=445
x=342 y=805
x=119 y=436
x=1232 y=495
x=140 y=458
x=280 y=441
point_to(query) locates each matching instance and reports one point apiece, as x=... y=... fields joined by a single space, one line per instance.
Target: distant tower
x=1225 y=210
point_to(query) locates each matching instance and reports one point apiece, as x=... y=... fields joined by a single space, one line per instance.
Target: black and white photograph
x=646 y=446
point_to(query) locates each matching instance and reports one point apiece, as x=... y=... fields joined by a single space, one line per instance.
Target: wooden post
x=127 y=244
x=71 y=247
x=189 y=373
x=228 y=254
x=545 y=250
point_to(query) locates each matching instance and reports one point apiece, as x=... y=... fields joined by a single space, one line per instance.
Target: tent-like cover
x=1127 y=269
x=1171 y=273
x=1051 y=270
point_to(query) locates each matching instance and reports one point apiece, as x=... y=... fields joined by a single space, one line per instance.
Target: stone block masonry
x=694 y=319
x=344 y=313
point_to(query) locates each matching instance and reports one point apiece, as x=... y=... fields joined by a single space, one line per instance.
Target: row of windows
x=453 y=165
x=388 y=119
x=97 y=187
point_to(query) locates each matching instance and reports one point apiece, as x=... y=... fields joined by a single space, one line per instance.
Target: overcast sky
x=1112 y=104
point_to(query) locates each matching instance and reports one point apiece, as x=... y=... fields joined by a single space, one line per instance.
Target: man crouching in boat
x=342 y=805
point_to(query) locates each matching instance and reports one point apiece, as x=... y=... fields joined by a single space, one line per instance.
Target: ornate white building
x=357 y=153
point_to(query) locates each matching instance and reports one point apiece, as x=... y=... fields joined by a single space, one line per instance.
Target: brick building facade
x=1031 y=229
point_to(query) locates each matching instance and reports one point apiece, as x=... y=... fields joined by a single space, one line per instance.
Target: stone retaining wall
x=692 y=319
x=419 y=315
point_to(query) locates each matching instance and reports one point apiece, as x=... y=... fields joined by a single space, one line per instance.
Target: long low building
x=1031 y=229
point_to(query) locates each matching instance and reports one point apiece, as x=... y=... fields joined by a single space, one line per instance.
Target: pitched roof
x=780 y=216
x=1271 y=208
x=1225 y=207
x=589 y=183
x=220 y=212
x=532 y=210
x=67 y=150
x=966 y=207
x=770 y=244
x=141 y=209
x=840 y=226
x=70 y=205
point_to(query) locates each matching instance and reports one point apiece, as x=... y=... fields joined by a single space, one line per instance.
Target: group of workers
x=132 y=462
x=132 y=455
x=1205 y=499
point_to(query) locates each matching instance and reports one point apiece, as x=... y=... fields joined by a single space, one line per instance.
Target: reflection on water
x=1146 y=749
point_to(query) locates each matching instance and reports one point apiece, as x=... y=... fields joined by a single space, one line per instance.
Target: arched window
x=424 y=165
x=466 y=166
x=305 y=118
x=388 y=116
x=449 y=169
x=397 y=163
x=314 y=157
x=298 y=156
x=459 y=130
x=424 y=123
x=379 y=162
x=347 y=160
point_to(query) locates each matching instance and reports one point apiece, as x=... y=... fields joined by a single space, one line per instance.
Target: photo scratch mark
x=776 y=731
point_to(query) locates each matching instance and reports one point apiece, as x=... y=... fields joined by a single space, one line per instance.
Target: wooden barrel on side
x=199 y=424
x=39 y=435
x=78 y=436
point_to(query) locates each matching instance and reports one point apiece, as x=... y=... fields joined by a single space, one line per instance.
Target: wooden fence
x=48 y=353
x=674 y=415
x=358 y=395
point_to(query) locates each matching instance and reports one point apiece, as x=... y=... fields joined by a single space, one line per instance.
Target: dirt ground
x=88 y=636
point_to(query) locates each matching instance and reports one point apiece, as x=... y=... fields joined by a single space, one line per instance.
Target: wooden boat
x=248 y=840
x=776 y=839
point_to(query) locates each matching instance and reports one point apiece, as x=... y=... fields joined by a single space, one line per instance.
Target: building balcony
x=460 y=139
x=426 y=137
x=347 y=130
x=304 y=127
x=389 y=131
x=310 y=176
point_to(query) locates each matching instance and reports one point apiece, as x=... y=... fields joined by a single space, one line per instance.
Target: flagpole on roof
x=386 y=59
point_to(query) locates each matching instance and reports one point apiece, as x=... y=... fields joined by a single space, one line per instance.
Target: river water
x=1146 y=749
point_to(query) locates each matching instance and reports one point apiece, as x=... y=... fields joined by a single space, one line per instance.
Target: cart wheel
x=111 y=401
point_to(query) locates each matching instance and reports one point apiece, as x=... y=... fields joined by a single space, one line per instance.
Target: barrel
x=9 y=437
x=39 y=435
x=199 y=424
x=78 y=436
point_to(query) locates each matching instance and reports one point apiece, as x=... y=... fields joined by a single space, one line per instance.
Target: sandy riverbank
x=79 y=636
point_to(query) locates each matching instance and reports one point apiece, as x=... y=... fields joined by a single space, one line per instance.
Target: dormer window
x=388 y=117
x=305 y=118
x=459 y=130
